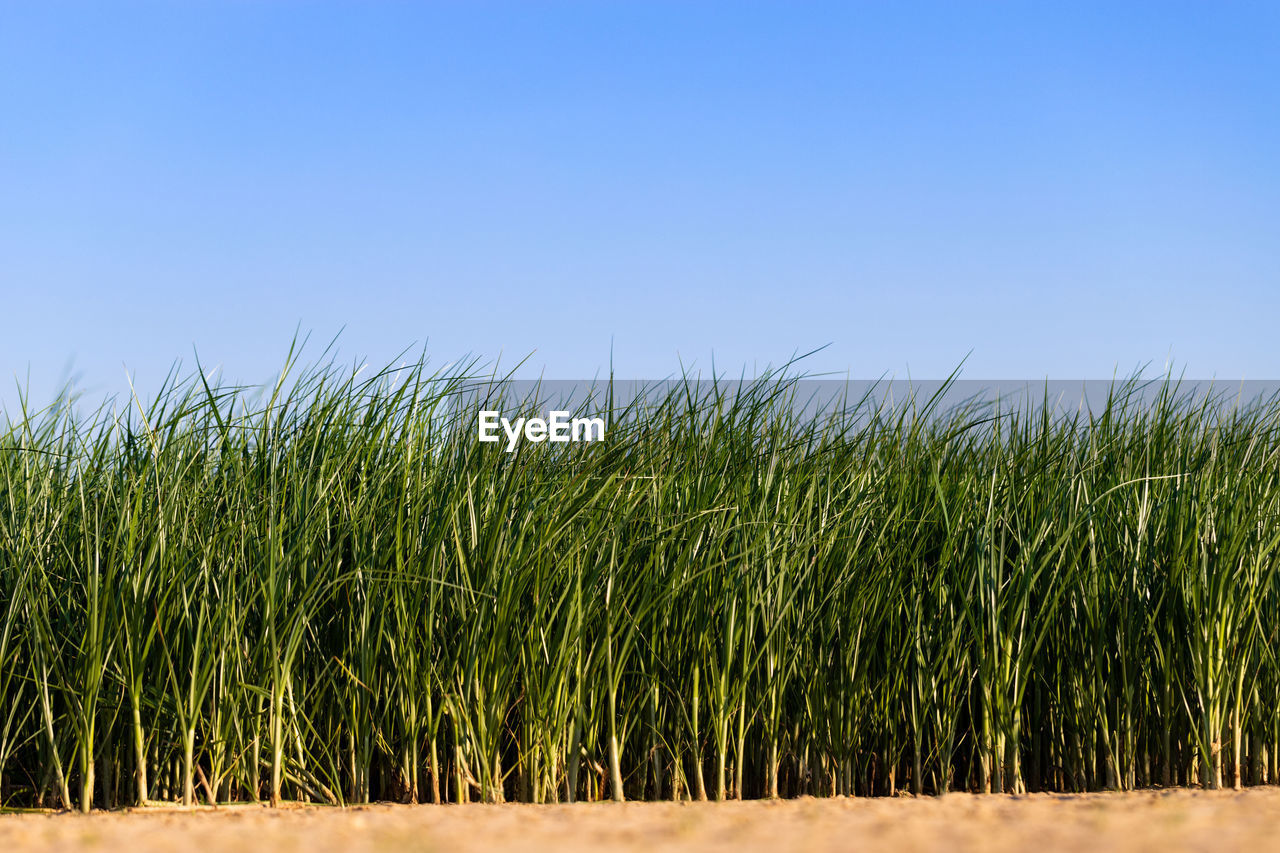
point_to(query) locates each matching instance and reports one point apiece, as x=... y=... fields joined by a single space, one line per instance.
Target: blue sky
x=1061 y=190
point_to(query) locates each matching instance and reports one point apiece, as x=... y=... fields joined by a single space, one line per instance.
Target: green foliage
x=329 y=590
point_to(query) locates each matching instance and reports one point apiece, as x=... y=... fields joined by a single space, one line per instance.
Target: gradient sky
x=1061 y=190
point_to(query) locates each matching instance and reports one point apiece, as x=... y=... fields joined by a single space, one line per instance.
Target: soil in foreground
x=1146 y=820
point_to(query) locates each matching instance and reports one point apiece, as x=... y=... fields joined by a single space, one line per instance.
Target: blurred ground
x=1144 y=821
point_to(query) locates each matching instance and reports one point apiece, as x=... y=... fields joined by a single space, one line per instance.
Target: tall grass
x=329 y=590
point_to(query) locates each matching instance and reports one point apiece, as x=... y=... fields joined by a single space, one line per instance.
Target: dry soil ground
x=1161 y=821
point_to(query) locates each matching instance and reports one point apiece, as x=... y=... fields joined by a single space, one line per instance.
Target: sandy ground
x=1151 y=820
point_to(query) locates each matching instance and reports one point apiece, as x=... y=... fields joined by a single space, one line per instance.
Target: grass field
x=327 y=590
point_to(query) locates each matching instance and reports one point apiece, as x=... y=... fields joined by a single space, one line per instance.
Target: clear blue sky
x=1062 y=189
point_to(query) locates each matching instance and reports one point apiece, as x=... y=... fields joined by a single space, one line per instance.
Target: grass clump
x=329 y=590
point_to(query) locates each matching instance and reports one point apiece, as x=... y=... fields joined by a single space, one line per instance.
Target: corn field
x=328 y=590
